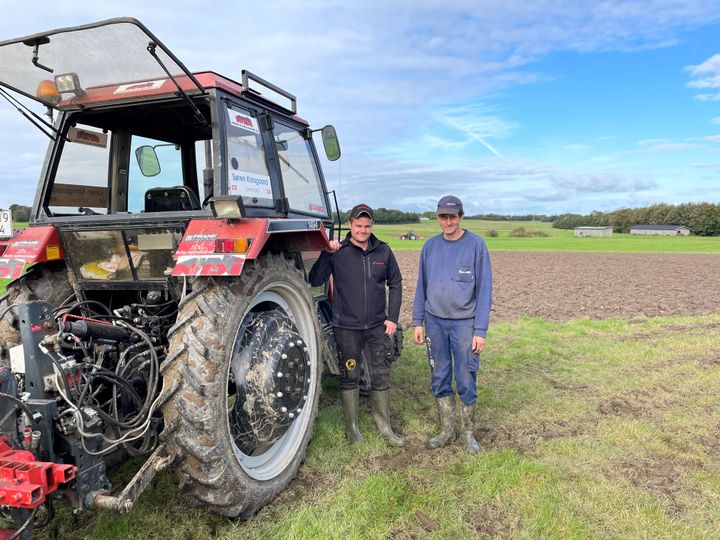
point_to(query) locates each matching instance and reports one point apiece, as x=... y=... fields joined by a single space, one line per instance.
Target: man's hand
x=390 y=328
x=419 y=335
x=478 y=344
x=334 y=246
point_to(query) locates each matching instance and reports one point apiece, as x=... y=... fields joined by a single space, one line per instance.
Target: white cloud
x=652 y=142
x=446 y=144
x=672 y=147
x=706 y=76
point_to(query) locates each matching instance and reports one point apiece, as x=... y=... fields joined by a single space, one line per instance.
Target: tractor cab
x=141 y=146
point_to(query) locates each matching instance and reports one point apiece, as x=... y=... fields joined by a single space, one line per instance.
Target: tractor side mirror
x=331 y=143
x=148 y=161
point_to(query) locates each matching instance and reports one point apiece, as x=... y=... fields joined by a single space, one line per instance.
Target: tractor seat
x=172 y=199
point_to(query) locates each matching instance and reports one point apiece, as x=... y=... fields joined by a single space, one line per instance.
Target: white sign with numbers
x=6 y=224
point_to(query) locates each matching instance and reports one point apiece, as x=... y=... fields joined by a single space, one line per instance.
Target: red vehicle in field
x=165 y=311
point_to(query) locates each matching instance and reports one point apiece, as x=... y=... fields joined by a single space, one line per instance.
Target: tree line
x=385 y=215
x=20 y=213
x=703 y=219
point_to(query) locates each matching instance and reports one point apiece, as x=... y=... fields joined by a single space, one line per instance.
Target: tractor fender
x=202 y=252
x=30 y=245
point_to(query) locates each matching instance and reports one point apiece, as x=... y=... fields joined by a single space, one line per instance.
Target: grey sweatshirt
x=454 y=281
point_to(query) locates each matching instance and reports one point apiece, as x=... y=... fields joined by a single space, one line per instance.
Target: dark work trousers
x=350 y=347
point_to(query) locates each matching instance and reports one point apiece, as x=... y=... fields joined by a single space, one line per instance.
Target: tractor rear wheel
x=242 y=384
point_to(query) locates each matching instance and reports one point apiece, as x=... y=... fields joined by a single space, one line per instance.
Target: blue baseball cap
x=449 y=204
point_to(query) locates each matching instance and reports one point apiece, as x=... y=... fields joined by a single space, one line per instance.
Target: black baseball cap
x=449 y=204
x=360 y=209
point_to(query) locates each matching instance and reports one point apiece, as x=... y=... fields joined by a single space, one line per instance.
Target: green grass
x=558 y=239
x=588 y=429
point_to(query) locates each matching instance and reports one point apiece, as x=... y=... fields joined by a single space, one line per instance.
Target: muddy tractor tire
x=241 y=384
x=49 y=283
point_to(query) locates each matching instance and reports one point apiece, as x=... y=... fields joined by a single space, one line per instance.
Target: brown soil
x=562 y=286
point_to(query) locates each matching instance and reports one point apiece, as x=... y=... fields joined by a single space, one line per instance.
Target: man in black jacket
x=365 y=316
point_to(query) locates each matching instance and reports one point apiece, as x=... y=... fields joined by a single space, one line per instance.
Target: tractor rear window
x=136 y=159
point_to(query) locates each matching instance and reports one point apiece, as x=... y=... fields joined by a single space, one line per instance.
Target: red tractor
x=159 y=303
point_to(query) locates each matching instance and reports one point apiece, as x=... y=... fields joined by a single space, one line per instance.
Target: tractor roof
x=109 y=61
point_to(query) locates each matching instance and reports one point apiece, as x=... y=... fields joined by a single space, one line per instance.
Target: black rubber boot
x=467 y=423
x=446 y=414
x=350 y=402
x=380 y=400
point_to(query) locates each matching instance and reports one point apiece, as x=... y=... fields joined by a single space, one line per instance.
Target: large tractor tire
x=241 y=384
x=49 y=283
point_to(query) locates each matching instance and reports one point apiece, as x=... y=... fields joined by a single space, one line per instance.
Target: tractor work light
x=47 y=92
x=232 y=245
x=69 y=82
x=227 y=206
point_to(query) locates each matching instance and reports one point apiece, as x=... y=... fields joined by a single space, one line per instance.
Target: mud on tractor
x=159 y=303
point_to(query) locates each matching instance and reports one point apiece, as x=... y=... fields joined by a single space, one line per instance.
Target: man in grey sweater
x=452 y=301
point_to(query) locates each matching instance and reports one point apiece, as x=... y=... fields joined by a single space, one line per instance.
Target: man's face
x=361 y=229
x=449 y=223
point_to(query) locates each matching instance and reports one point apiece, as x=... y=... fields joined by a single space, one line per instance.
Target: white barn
x=593 y=231
x=660 y=230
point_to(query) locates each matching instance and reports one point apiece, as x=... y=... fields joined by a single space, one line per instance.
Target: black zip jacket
x=359 y=279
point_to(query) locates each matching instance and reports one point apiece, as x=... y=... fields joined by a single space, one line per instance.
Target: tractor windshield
x=57 y=67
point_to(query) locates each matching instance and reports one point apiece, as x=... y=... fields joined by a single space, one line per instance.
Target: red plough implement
x=25 y=482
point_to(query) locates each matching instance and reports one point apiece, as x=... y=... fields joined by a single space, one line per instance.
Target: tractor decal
x=34 y=244
x=211 y=265
x=11 y=268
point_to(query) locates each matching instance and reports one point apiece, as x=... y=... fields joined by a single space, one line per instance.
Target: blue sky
x=516 y=106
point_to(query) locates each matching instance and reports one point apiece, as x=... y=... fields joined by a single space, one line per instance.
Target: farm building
x=593 y=231
x=661 y=230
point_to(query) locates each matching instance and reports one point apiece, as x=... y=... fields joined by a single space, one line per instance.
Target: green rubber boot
x=467 y=423
x=446 y=414
x=380 y=400
x=350 y=402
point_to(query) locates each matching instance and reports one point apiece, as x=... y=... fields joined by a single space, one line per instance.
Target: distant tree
x=20 y=212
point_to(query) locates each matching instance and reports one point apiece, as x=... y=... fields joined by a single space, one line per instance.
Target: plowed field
x=561 y=286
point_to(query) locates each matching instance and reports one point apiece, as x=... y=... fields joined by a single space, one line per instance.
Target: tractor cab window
x=301 y=178
x=81 y=177
x=155 y=177
x=248 y=173
x=144 y=158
